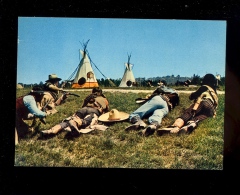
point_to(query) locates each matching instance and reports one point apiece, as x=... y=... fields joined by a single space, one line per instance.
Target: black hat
x=209 y=79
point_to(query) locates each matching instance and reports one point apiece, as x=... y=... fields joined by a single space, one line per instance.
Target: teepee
x=85 y=77
x=128 y=77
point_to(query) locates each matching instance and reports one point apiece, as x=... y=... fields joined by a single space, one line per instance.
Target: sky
x=158 y=47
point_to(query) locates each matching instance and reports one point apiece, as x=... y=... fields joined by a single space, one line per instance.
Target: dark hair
x=210 y=80
x=174 y=100
x=97 y=90
x=164 y=82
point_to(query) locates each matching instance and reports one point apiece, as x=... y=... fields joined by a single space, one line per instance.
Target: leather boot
x=137 y=124
x=53 y=130
x=150 y=129
x=191 y=125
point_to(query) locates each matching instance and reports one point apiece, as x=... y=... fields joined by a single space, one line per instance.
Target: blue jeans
x=156 y=108
x=31 y=105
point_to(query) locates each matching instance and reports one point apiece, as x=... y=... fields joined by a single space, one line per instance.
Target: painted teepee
x=128 y=78
x=85 y=77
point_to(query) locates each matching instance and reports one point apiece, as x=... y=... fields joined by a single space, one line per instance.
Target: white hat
x=113 y=116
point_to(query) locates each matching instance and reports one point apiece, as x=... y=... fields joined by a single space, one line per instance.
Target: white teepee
x=85 y=77
x=128 y=77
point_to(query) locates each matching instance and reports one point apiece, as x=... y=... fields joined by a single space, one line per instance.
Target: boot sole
x=134 y=127
x=161 y=132
x=149 y=131
x=75 y=131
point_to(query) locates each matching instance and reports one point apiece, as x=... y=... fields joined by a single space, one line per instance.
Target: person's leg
x=78 y=123
x=55 y=129
x=83 y=118
x=174 y=128
x=189 y=127
x=136 y=117
x=137 y=123
x=204 y=111
x=157 y=107
x=16 y=137
x=81 y=113
x=158 y=114
x=155 y=119
x=189 y=119
x=148 y=108
x=21 y=127
x=178 y=123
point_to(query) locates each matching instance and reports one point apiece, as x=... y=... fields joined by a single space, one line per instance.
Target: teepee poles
x=84 y=74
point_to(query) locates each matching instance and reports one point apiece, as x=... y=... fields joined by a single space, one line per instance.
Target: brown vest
x=100 y=103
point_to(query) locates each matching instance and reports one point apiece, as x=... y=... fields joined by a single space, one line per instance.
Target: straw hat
x=53 y=77
x=113 y=116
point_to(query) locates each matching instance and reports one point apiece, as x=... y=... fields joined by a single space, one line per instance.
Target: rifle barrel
x=71 y=93
x=74 y=94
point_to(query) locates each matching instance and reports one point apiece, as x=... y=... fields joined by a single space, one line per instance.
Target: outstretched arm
x=54 y=87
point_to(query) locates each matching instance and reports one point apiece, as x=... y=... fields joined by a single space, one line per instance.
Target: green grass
x=115 y=148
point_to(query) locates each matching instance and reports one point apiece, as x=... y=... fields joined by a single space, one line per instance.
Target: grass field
x=115 y=148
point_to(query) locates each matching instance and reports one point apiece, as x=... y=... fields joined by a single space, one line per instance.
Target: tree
x=196 y=80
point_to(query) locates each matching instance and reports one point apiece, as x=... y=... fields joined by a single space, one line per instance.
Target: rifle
x=45 y=106
x=63 y=97
x=68 y=93
x=65 y=92
x=141 y=100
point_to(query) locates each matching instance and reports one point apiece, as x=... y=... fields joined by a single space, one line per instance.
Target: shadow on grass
x=71 y=136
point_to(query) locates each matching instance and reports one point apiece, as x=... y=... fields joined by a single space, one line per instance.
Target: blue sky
x=158 y=47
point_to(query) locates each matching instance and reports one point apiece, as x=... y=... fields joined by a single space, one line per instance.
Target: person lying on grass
x=204 y=106
x=157 y=105
x=94 y=105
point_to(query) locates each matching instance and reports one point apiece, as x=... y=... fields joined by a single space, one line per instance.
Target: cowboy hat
x=113 y=116
x=52 y=77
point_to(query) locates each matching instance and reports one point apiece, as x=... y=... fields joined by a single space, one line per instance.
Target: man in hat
x=205 y=102
x=50 y=97
x=94 y=105
x=157 y=106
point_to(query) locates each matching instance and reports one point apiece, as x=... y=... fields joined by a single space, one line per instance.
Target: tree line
x=144 y=82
